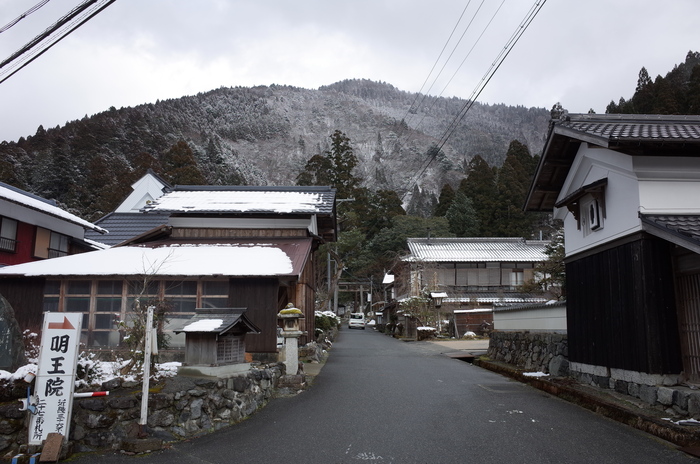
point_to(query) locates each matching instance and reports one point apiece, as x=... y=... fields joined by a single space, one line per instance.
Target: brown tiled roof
x=636 y=135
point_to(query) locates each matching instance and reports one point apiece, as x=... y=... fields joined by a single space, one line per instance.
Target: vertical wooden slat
x=621 y=308
x=689 y=324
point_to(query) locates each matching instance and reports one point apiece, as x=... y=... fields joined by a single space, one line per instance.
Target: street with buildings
x=384 y=400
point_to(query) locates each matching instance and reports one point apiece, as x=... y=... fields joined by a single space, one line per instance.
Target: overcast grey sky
x=582 y=53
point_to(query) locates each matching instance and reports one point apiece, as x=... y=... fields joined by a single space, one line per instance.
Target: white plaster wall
x=146 y=189
x=621 y=197
x=541 y=319
x=668 y=185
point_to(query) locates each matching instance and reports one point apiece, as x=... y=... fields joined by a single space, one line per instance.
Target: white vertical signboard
x=55 y=381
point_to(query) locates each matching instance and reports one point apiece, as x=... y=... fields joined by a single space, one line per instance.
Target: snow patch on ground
x=101 y=371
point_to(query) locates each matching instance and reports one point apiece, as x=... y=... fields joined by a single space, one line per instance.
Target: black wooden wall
x=26 y=296
x=259 y=296
x=621 y=310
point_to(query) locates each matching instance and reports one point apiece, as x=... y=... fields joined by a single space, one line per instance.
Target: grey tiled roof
x=217 y=320
x=636 y=127
x=683 y=230
x=493 y=297
x=631 y=134
x=123 y=226
x=451 y=250
x=541 y=305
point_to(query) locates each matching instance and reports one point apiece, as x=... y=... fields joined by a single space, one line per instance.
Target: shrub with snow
x=326 y=320
x=425 y=333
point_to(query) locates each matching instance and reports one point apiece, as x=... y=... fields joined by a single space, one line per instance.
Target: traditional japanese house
x=221 y=247
x=627 y=189
x=35 y=229
x=463 y=278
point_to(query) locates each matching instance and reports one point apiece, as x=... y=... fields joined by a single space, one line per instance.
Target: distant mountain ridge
x=264 y=136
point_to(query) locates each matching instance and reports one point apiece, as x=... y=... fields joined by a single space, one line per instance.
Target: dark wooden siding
x=473 y=322
x=26 y=296
x=259 y=296
x=307 y=296
x=621 y=310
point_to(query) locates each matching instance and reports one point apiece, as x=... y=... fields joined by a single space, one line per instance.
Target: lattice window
x=229 y=349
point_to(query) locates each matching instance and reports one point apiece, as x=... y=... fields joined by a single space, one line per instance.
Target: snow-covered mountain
x=264 y=136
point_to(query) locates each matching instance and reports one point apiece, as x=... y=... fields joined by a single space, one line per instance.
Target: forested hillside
x=677 y=93
x=265 y=136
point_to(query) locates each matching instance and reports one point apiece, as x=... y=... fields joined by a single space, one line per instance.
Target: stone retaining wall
x=179 y=407
x=531 y=351
x=548 y=352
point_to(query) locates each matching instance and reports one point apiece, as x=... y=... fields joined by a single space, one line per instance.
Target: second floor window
x=50 y=244
x=8 y=235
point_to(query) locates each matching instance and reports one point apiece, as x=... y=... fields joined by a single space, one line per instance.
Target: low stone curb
x=603 y=404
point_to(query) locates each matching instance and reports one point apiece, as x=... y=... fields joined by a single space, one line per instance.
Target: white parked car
x=357 y=321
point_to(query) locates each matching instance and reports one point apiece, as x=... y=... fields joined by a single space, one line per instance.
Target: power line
x=430 y=159
x=514 y=38
x=51 y=36
x=451 y=54
x=23 y=15
x=437 y=61
x=464 y=60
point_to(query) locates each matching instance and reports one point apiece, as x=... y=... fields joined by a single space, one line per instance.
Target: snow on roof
x=213 y=200
x=509 y=249
x=203 y=325
x=34 y=202
x=176 y=260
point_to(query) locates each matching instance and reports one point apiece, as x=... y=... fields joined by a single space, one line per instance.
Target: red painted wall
x=25 y=246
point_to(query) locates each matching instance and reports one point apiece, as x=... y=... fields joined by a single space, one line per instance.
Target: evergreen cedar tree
x=677 y=93
x=488 y=202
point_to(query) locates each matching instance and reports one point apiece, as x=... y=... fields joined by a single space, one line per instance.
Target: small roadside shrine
x=215 y=342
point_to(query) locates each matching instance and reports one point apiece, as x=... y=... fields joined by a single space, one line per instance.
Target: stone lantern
x=291 y=332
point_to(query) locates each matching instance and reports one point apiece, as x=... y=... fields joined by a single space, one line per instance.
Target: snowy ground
x=98 y=372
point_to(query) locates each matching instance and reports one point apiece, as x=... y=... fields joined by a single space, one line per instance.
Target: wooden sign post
x=55 y=381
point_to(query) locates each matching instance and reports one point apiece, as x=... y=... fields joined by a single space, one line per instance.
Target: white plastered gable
x=146 y=189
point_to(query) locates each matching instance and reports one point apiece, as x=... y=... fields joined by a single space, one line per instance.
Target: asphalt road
x=383 y=400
